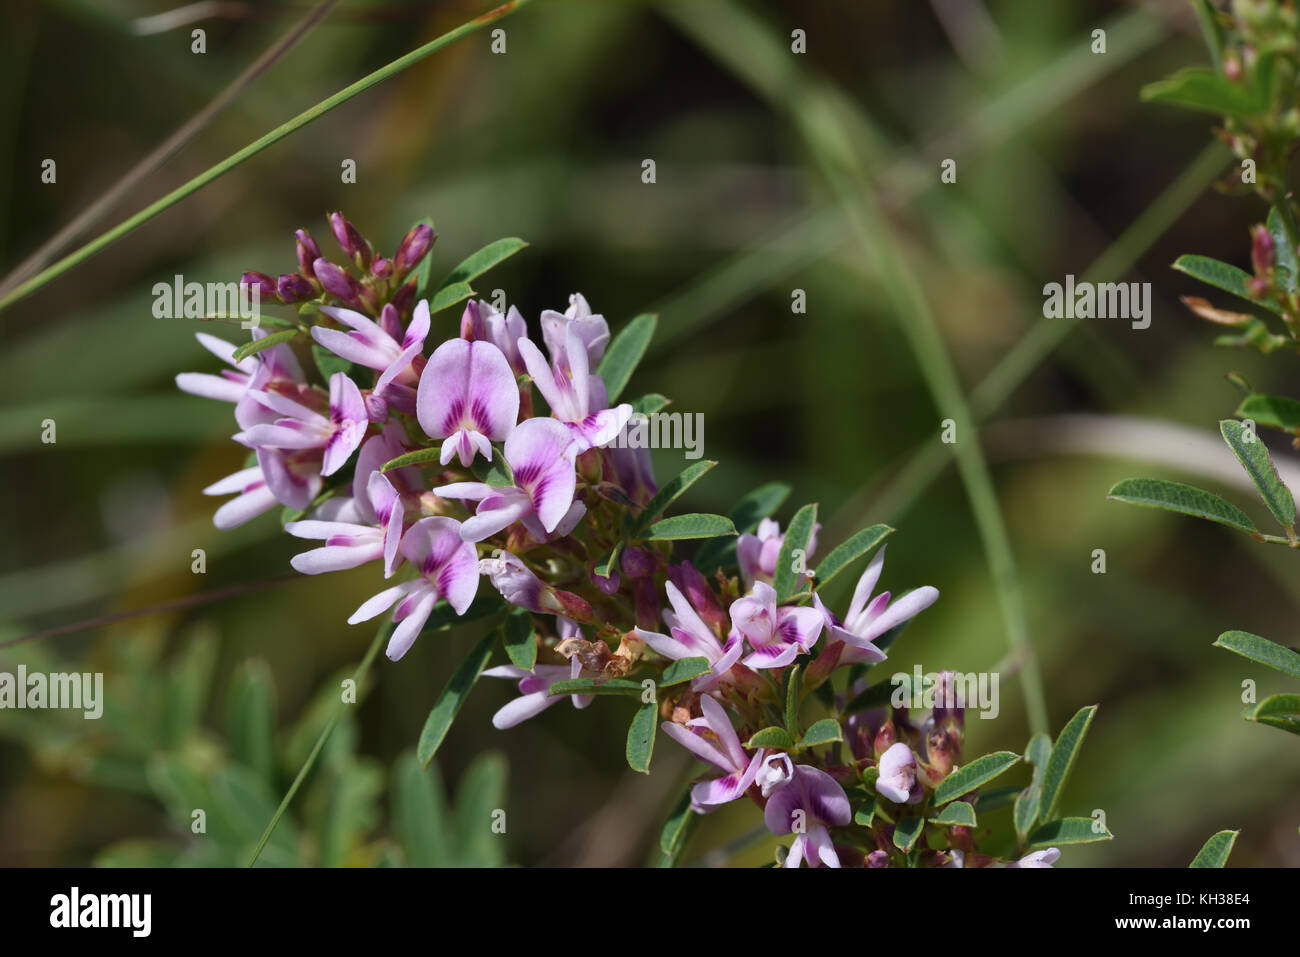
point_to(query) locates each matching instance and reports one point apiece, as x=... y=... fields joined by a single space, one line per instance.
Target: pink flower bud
x=877 y=859
x=415 y=245
x=350 y=241
x=308 y=253
x=265 y=285
x=381 y=268
x=1261 y=250
x=291 y=287
x=404 y=299
x=337 y=283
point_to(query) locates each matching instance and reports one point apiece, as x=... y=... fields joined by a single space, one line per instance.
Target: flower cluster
x=490 y=455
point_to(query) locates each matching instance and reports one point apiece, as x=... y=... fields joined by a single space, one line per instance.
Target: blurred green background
x=1056 y=159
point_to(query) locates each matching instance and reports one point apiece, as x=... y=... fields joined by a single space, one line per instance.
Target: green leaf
x=617 y=686
x=480 y=262
x=254 y=346
x=609 y=563
x=250 y=718
x=649 y=403
x=745 y=515
x=1025 y=812
x=452 y=697
x=965 y=779
x=691 y=525
x=997 y=798
x=787 y=581
x=677 y=830
x=418 y=457
x=1284 y=253
x=641 y=736
x=1253 y=455
x=496 y=473
x=1257 y=335
x=1223 y=276
x=448 y=296
x=419 y=812
x=1216 y=850
x=867 y=813
x=1061 y=762
x=1259 y=649
x=1197 y=88
x=1068 y=830
x=845 y=554
x=958 y=812
x=684 y=669
x=624 y=353
x=907 y=831
x=517 y=635
x=1184 y=499
x=1211 y=29
x=825 y=731
x=793 y=696
x=1281 y=711
x=667 y=495
x=1273 y=411
x=424 y=269
x=772 y=737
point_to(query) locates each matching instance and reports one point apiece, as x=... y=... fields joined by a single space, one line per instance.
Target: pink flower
x=897 y=780
x=869 y=618
x=757 y=553
x=448 y=568
x=811 y=802
x=468 y=397
x=338 y=436
x=713 y=739
x=576 y=396
x=535 y=691
x=1044 y=858
x=690 y=637
x=777 y=635
x=380 y=346
x=540 y=455
x=482 y=322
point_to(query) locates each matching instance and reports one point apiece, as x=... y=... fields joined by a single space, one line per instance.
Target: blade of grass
x=97 y=245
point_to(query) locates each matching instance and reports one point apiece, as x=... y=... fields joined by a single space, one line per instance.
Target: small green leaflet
x=255 y=346
x=772 y=737
x=1284 y=254
x=483 y=260
x=787 y=580
x=866 y=814
x=1273 y=411
x=423 y=269
x=667 y=495
x=1216 y=850
x=1221 y=275
x=907 y=831
x=958 y=812
x=677 y=830
x=965 y=779
x=1281 y=711
x=418 y=457
x=845 y=554
x=641 y=736
x=624 y=353
x=1254 y=458
x=692 y=525
x=684 y=669
x=1061 y=762
x=1069 y=830
x=616 y=686
x=448 y=296
x=1184 y=499
x=1259 y=649
x=1025 y=812
x=452 y=697
x=517 y=635
x=825 y=731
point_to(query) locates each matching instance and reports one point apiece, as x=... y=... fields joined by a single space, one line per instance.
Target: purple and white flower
x=806 y=806
x=689 y=637
x=381 y=346
x=448 y=567
x=535 y=691
x=869 y=618
x=713 y=739
x=898 y=781
x=576 y=396
x=467 y=397
x=300 y=427
x=777 y=634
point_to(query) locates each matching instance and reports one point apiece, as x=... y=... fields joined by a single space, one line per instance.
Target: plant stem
x=358 y=677
x=252 y=149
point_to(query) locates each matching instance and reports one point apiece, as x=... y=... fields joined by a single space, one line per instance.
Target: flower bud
x=638 y=562
x=877 y=859
x=886 y=737
x=390 y=322
x=308 y=253
x=337 y=283
x=607 y=585
x=404 y=299
x=350 y=241
x=949 y=710
x=471 y=322
x=415 y=245
x=265 y=285
x=696 y=588
x=556 y=601
x=381 y=268
x=1261 y=250
x=291 y=287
